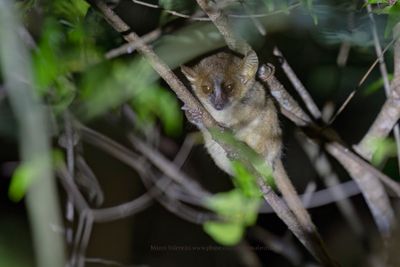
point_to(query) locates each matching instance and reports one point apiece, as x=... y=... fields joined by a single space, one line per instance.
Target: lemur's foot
x=265 y=72
x=195 y=116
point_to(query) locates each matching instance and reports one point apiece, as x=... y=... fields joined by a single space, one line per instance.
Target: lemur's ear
x=189 y=73
x=249 y=67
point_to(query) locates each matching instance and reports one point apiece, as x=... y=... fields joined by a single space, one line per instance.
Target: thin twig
x=89 y=181
x=194 y=18
x=172 y=12
x=285 y=215
x=287 y=104
x=308 y=193
x=381 y=127
x=360 y=171
x=298 y=85
x=83 y=208
x=160 y=67
x=342 y=107
x=69 y=147
x=384 y=73
x=345 y=46
x=234 y=42
x=130 y=158
x=100 y=215
x=331 y=180
x=170 y=201
x=325 y=196
x=378 y=202
x=360 y=83
x=368 y=72
x=128 y=48
x=372 y=189
x=382 y=66
x=256 y=22
x=163 y=164
x=277 y=244
x=343 y=54
x=124 y=210
x=289 y=8
x=378 y=50
x=82 y=237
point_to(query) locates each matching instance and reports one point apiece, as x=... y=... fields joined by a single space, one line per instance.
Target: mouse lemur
x=237 y=101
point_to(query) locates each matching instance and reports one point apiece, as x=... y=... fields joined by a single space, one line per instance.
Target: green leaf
x=167 y=4
x=235 y=207
x=244 y=180
x=169 y=112
x=156 y=102
x=23 y=177
x=261 y=166
x=256 y=160
x=45 y=60
x=72 y=11
x=64 y=94
x=108 y=85
x=238 y=212
x=27 y=172
x=81 y=7
x=376 y=85
x=393 y=18
x=378 y=1
x=382 y=149
x=227 y=234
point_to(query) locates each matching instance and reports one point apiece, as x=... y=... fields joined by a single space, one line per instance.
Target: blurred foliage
x=25 y=173
x=109 y=85
x=239 y=207
x=392 y=10
x=273 y=5
x=72 y=11
x=182 y=6
x=70 y=71
x=257 y=162
x=236 y=210
x=64 y=49
x=244 y=181
x=376 y=85
x=383 y=148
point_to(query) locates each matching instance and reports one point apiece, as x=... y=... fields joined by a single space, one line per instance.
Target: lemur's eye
x=206 y=89
x=228 y=87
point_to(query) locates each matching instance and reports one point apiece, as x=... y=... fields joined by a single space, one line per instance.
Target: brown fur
x=249 y=112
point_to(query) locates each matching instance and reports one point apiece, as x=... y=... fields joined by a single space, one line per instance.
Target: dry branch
x=371 y=187
x=298 y=86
